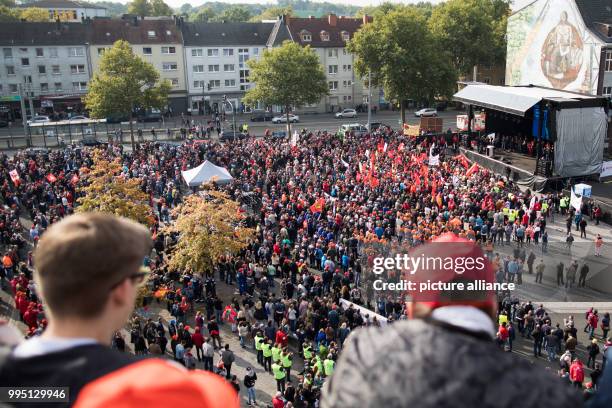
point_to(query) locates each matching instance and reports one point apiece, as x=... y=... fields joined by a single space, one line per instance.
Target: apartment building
x=49 y=61
x=216 y=56
x=328 y=37
x=68 y=10
x=157 y=41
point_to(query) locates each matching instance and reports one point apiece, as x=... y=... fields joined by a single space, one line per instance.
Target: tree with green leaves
x=472 y=30
x=272 y=13
x=140 y=8
x=289 y=76
x=35 y=14
x=234 y=14
x=159 y=8
x=123 y=83
x=403 y=57
x=203 y=15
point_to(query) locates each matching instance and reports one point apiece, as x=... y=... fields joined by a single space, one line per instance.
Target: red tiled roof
x=332 y=25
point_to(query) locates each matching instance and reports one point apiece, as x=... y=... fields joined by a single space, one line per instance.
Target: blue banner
x=535 y=129
x=545 y=135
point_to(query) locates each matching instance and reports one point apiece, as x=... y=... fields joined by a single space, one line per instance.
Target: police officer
x=287 y=361
x=328 y=365
x=276 y=353
x=279 y=376
x=266 y=348
x=258 y=339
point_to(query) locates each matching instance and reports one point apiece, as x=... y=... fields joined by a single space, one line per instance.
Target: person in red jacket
x=277 y=401
x=577 y=373
x=30 y=317
x=281 y=338
x=198 y=340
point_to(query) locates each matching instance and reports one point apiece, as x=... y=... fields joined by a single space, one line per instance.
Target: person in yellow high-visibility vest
x=258 y=339
x=279 y=376
x=276 y=352
x=328 y=365
x=266 y=348
x=318 y=366
x=287 y=361
x=307 y=351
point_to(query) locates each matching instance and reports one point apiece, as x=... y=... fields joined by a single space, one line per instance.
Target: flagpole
x=369 y=99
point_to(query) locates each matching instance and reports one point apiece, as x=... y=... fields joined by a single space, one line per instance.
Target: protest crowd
x=318 y=207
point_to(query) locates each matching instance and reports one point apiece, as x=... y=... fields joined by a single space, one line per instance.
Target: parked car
x=279 y=134
x=39 y=119
x=377 y=125
x=78 y=117
x=347 y=113
x=117 y=119
x=154 y=115
x=3 y=123
x=262 y=117
x=426 y=112
x=231 y=135
x=356 y=128
x=283 y=118
x=91 y=141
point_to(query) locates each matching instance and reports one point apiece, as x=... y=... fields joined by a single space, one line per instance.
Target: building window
x=44 y=87
x=27 y=79
x=13 y=88
x=10 y=70
x=42 y=70
x=255 y=51
x=8 y=52
x=332 y=69
x=25 y=62
x=333 y=85
x=608 y=66
x=244 y=76
x=346 y=67
x=174 y=82
x=23 y=50
x=101 y=51
x=332 y=52
x=230 y=82
x=243 y=57
x=324 y=36
x=77 y=69
x=306 y=36
x=53 y=52
x=607 y=91
x=228 y=68
x=55 y=69
x=57 y=86
x=345 y=36
x=79 y=86
x=148 y=50
x=213 y=68
x=215 y=83
x=347 y=98
x=228 y=52
x=151 y=34
x=197 y=52
x=168 y=50
x=212 y=52
x=76 y=52
x=198 y=68
x=198 y=84
x=40 y=52
x=169 y=66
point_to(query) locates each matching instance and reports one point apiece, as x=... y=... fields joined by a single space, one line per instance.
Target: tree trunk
x=288 y=123
x=132 y=132
x=403 y=111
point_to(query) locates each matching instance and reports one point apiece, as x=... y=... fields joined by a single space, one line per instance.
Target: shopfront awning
x=515 y=100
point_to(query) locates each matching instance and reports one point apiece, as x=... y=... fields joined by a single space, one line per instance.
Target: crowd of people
x=321 y=210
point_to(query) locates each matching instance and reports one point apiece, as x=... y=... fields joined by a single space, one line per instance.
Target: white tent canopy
x=515 y=100
x=206 y=172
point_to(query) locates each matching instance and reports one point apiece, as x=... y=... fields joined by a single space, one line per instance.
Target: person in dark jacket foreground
x=444 y=355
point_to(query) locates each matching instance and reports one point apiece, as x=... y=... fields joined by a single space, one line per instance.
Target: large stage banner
x=549 y=45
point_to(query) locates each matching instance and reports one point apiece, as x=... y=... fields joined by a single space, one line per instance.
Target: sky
x=178 y=3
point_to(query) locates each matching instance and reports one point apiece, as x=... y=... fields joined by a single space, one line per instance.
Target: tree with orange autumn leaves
x=105 y=188
x=209 y=225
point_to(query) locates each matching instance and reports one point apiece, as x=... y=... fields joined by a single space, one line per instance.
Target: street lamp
x=233 y=112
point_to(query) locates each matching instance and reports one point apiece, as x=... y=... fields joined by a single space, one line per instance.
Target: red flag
x=472 y=170
x=401 y=147
x=51 y=178
x=317 y=207
x=374 y=182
